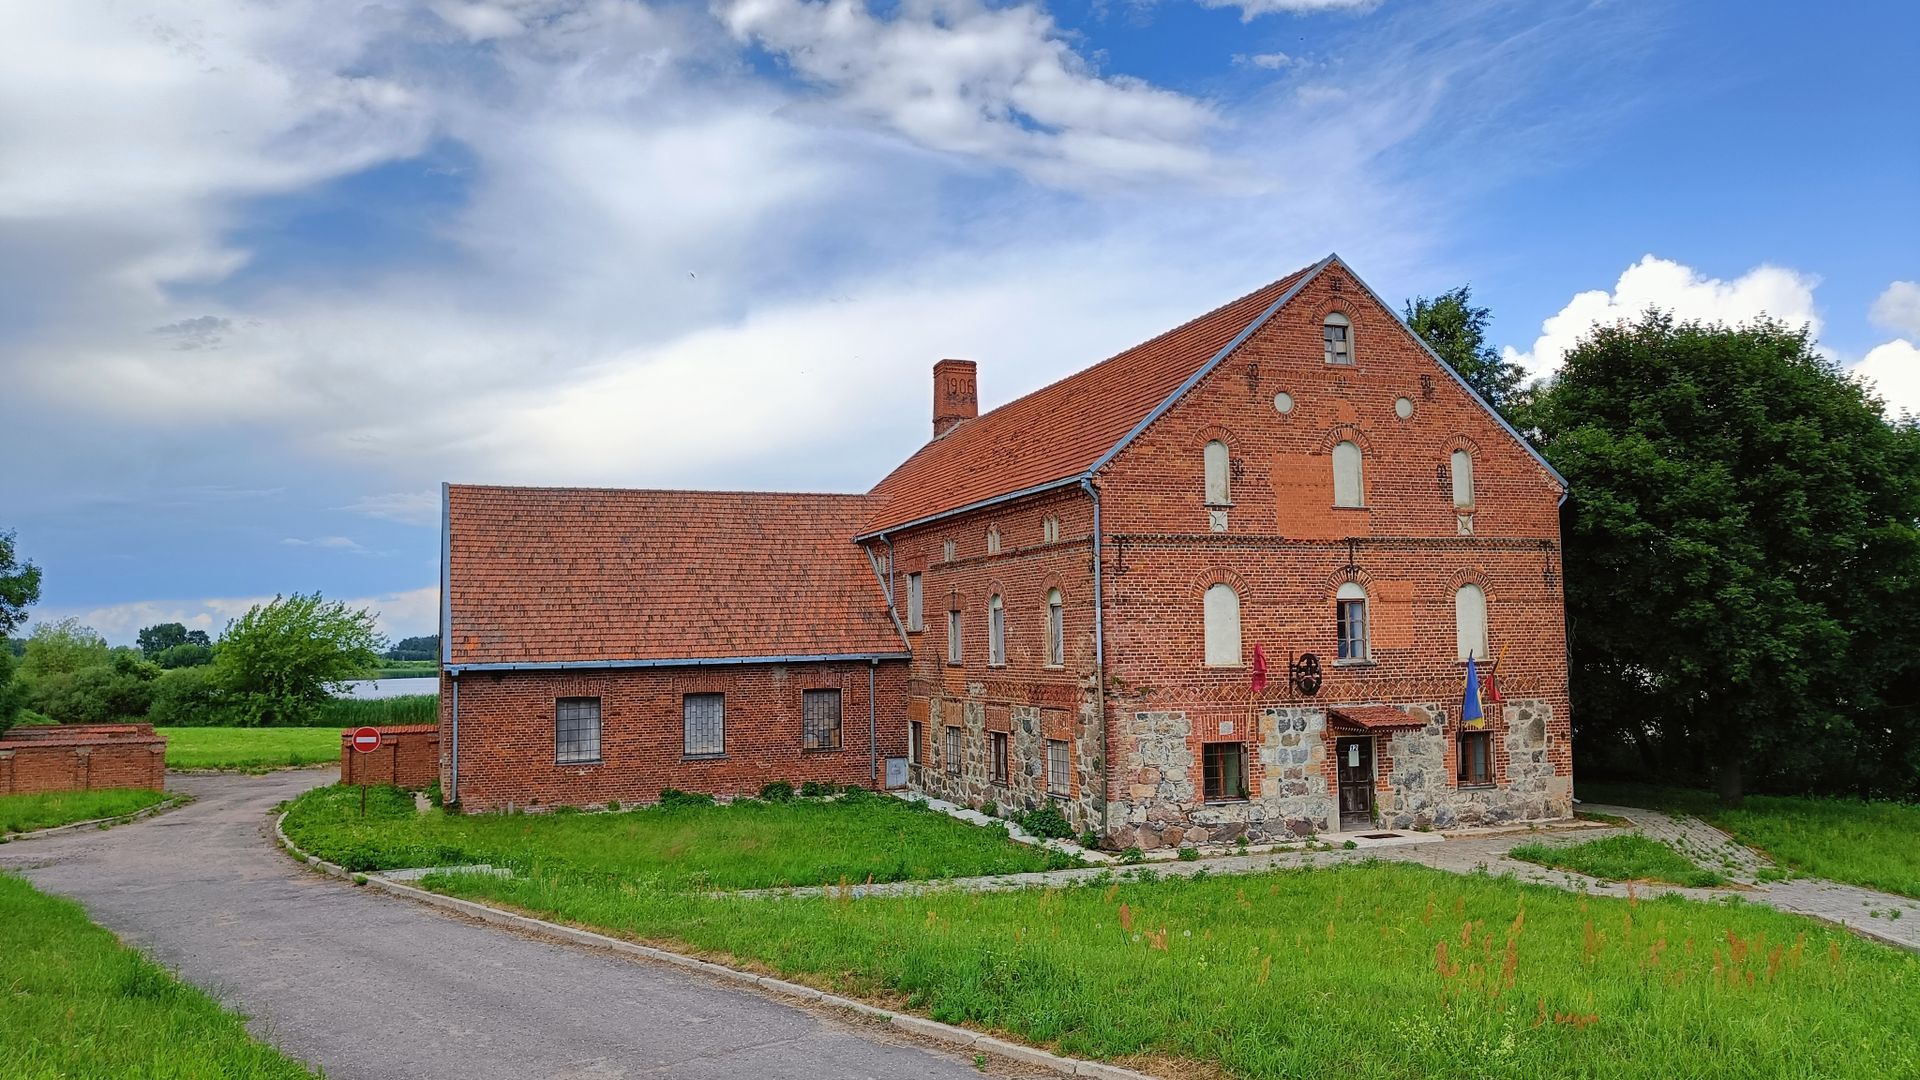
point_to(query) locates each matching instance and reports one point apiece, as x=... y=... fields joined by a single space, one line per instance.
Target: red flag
x=1492 y=695
x=1259 y=669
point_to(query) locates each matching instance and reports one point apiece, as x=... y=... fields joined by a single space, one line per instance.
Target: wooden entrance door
x=1356 y=780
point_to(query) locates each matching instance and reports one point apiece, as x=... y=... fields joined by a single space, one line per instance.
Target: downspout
x=1099 y=648
x=453 y=787
x=873 y=730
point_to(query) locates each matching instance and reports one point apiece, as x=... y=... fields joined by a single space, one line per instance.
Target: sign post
x=365 y=741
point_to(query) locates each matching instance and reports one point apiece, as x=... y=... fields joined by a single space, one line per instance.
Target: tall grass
x=80 y=1004
x=745 y=844
x=25 y=813
x=1872 y=844
x=381 y=712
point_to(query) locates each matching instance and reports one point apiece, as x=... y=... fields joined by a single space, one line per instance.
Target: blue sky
x=268 y=275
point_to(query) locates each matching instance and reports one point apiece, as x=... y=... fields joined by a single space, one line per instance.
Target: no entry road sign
x=366 y=739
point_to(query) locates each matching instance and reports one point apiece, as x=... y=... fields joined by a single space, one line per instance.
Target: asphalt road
x=369 y=987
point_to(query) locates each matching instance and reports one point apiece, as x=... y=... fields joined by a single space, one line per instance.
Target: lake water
x=368 y=689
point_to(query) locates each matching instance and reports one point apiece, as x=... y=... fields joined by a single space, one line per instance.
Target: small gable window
x=1338 y=335
x=1222 y=613
x=1470 y=622
x=1462 y=478
x=916 y=602
x=948 y=551
x=1350 y=619
x=996 y=631
x=1219 y=489
x=993 y=541
x=1050 y=530
x=1056 y=629
x=1349 y=488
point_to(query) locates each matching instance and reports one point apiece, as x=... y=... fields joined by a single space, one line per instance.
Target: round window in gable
x=1403 y=408
x=1283 y=402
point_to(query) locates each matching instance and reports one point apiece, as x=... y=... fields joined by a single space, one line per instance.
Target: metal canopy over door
x=1355 y=768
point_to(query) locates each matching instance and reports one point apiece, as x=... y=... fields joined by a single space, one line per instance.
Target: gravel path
x=366 y=986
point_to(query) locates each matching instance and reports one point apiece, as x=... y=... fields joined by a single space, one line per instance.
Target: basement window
x=1059 y=769
x=820 y=720
x=999 y=740
x=1223 y=768
x=952 y=762
x=576 y=731
x=1476 y=759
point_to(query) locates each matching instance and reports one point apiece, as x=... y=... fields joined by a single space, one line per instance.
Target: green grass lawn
x=1873 y=844
x=80 y=1004
x=1631 y=857
x=25 y=813
x=1373 y=970
x=742 y=845
x=249 y=749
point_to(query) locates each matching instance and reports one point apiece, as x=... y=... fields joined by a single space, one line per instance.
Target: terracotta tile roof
x=538 y=575
x=1056 y=432
x=1365 y=719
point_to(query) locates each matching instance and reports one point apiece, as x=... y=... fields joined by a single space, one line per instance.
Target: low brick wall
x=81 y=757
x=409 y=757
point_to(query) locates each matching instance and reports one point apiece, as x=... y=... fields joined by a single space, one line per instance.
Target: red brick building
x=1065 y=599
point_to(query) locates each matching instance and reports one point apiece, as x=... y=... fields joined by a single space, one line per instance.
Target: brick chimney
x=954 y=397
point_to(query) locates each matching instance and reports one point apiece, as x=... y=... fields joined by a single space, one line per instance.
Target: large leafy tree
x=19 y=586
x=160 y=637
x=281 y=660
x=1456 y=329
x=1741 y=517
x=62 y=648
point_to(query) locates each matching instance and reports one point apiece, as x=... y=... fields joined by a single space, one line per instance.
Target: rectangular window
x=820 y=720
x=953 y=637
x=1353 y=630
x=706 y=724
x=999 y=739
x=916 y=745
x=576 y=730
x=1059 y=769
x=1223 y=770
x=1476 y=758
x=952 y=761
x=915 y=621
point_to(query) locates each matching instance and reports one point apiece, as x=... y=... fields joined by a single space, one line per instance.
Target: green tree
x=19 y=586
x=160 y=637
x=425 y=647
x=13 y=692
x=282 y=660
x=1740 y=512
x=62 y=648
x=118 y=691
x=1457 y=330
x=190 y=697
x=185 y=655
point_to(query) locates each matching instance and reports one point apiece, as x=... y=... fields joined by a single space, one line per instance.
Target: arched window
x=1470 y=621
x=993 y=541
x=1056 y=629
x=1338 y=333
x=1350 y=622
x=1462 y=478
x=1219 y=489
x=1223 y=626
x=1050 y=530
x=1349 y=489
x=996 y=631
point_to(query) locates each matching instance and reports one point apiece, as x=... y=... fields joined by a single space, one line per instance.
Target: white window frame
x=581 y=713
x=1056 y=629
x=1353 y=629
x=948 y=550
x=1349 y=474
x=1334 y=354
x=1059 y=768
x=916 y=604
x=1220 y=625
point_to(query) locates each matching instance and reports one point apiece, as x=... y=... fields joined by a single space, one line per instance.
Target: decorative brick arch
x=1471 y=575
x=1219 y=575
x=1360 y=576
x=1335 y=305
x=996 y=588
x=1052 y=580
x=1340 y=433
x=1460 y=440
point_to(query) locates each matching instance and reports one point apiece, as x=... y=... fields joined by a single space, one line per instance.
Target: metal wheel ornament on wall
x=1303 y=673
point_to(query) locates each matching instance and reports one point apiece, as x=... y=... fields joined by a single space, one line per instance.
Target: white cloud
x=1898 y=309
x=1272 y=61
x=330 y=543
x=1252 y=9
x=404 y=507
x=1000 y=83
x=1669 y=286
x=1893 y=370
x=401 y=614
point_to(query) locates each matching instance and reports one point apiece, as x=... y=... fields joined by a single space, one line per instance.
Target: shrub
x=1046 y=822
x=184 y=656
x=189 y=697
x=676 y=797
x=613 y=805
x=1133 y=856
x=814 y=789
x=1090 y=840
x=13 y=693
x=117 y=692
x=854 y=793
x=1189 y=854
x=777 y=791
x=990 y=808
